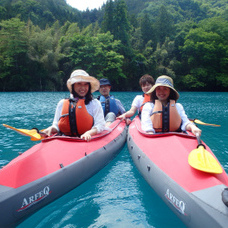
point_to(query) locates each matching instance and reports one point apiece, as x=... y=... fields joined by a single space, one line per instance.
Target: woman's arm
x=54 y=128
x=128 y=114
x=146 y=122
x=97 y=112
x=137 y=102
x=192 y=127
x=187 y=125
x=88 y=134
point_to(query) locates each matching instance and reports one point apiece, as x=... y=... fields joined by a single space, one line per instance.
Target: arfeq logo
x=178 y=204
x=33 y=199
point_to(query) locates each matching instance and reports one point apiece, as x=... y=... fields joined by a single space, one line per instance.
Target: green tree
x=68 y=33
x=45 y=53
x=3 y=13
x=98 y=55
x=164 y=25
x=206 y=55
x=147 y=30
x=136 y=40
x=164 y=58
x=116 y=21
x=150 y=60
x=13 y=48
x=121 y=27
x=108 y=20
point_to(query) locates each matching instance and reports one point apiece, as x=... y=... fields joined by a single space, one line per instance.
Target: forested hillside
x=42 y=41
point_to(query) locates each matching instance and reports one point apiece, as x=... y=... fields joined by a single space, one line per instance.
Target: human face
x=81 y=88
x=163 y=92
x=104 y=90
x=146 y=87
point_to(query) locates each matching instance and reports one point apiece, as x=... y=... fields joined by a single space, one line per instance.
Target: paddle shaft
x=199 y=140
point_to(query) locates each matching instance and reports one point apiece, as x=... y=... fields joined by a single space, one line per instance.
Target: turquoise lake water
x=117 y=196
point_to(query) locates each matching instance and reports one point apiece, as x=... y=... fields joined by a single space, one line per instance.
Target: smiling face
x=81 y=88
x=162 y=93
x=146 y=87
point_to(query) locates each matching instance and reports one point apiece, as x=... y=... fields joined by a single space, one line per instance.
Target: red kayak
x=52 y=168
x=198 y=198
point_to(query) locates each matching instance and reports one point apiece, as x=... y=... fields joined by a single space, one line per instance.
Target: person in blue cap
x=112 y=107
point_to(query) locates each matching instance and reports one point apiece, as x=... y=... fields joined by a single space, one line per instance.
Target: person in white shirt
x=80 y=115
x=146 y=82
x=163 y=114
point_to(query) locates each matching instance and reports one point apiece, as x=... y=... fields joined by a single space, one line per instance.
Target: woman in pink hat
x=80 y=115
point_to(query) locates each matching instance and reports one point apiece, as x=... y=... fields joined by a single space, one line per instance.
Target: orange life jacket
x=167 y=118
x=75 y=119
x=146 y=99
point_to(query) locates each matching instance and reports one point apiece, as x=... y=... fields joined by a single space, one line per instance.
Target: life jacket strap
x=165 y=118
x=107 y=106
x=72 y=117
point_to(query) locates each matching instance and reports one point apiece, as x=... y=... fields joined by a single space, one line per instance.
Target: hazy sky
x=84 y=4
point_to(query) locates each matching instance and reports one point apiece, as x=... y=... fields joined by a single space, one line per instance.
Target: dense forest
x=43 y=41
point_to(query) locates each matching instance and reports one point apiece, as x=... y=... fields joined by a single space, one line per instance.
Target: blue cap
x=104 y=81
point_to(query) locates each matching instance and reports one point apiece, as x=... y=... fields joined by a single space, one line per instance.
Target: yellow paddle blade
x=202 y=123
x=203 y=160
x=35 y=136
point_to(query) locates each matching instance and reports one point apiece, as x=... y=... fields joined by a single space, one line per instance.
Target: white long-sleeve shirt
x=94 y=109
x=147 y=111
x=138 y=101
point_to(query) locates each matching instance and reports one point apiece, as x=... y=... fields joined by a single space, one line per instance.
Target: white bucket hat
x=164 y=81
x=82 y=76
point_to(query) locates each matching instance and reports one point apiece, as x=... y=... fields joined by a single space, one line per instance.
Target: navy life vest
x=109 y=104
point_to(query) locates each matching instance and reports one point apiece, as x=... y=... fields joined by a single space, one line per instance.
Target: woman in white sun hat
x=163 y=114
x=80 y=115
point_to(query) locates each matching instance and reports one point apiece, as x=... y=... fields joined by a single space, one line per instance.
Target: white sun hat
x=82 y=76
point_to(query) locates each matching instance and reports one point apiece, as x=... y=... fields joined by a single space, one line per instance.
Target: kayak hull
x=194 y=196
x=20 y=200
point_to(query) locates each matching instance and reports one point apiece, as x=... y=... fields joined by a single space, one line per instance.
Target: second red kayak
x=198 y=198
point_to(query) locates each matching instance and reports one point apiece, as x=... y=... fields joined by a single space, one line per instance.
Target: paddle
x=34 y=133
x=202 y=123
x=203 y=160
